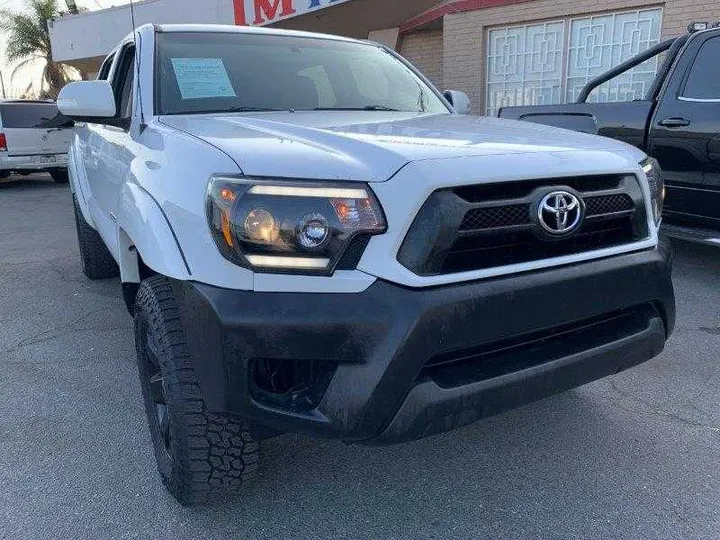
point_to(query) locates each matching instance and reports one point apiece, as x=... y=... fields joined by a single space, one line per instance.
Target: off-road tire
x=60 y=176
x=200 y=456
x=97 y=262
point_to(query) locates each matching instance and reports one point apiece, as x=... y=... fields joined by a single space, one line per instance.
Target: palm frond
x=28 y=40
x=21 y=65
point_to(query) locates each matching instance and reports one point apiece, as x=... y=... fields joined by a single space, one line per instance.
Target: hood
x=373 y=145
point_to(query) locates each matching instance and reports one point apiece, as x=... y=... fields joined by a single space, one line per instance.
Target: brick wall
x=465 y=34
x=424 y=49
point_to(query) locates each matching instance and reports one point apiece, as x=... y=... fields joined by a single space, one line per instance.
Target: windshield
x=218 y=72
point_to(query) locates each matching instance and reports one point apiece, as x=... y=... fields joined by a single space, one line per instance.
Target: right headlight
x=287 y=225
x=657 y=186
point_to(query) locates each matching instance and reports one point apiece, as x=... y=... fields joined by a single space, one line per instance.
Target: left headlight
x=657 y=186
x=290 y=226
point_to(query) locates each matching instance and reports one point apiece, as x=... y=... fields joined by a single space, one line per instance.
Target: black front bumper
x=406 y=363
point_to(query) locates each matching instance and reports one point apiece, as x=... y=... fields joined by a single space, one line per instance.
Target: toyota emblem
x=560 y=213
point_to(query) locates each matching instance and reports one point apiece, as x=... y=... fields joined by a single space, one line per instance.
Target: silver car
x=34 y=136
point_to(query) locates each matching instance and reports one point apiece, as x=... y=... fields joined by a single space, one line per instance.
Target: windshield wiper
x=243 y=109
x=365 y=108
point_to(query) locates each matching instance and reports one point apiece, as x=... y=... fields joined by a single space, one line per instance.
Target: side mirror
x=459 y=101
x=89 y=101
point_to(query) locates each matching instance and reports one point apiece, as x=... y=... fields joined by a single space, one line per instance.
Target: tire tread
x=97 y=261
x=214 y=453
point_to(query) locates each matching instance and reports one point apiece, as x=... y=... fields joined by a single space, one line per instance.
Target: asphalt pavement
x=634 y=456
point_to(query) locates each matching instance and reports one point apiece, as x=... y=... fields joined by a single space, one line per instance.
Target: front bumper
x=408 y=363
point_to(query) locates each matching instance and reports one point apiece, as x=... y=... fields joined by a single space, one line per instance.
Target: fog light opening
x=298 y=385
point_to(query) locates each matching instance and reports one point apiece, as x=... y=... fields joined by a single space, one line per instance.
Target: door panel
x=684 y=128
x=107 y=157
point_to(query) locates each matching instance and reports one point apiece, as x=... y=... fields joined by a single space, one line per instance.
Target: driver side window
x=703 y=82
x=123 y=82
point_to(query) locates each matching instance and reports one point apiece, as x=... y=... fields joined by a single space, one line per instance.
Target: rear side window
x=32 y=115
x=704 y=79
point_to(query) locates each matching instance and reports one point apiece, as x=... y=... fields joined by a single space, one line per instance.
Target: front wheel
x=200 y=455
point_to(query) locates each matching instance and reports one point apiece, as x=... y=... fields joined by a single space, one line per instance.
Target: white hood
x=373 y=146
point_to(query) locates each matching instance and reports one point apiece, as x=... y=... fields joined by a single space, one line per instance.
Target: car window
x=218 y=72
x=105 y=68
x=704 y=79
x=33 y=115
x=122 y=81
x=125 y=106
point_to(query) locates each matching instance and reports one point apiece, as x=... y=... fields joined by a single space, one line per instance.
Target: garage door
x=550 y=62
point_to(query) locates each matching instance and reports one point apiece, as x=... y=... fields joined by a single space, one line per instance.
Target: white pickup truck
x=311 y=238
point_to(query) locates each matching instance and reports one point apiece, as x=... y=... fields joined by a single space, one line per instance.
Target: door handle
x=675 y=122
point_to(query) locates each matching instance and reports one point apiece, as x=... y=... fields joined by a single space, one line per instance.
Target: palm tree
x=28 y=41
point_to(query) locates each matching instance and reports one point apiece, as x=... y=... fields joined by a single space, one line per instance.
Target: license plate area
x=43 y=160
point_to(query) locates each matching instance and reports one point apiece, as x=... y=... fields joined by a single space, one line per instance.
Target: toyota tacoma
x=311 y=238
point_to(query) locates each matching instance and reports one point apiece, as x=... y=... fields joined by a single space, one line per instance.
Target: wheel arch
x=146 y=242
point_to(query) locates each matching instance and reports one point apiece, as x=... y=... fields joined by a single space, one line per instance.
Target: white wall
x=95 y=33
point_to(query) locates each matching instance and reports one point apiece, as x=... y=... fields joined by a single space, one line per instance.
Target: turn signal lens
x=290 y=226
x=653 y=173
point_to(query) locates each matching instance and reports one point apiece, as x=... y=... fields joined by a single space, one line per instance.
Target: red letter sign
x=269 y=8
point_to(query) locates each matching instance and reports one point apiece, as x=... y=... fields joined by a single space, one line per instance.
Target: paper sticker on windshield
x=200 y=78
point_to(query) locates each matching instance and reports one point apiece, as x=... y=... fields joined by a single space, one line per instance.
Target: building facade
x=500 y=52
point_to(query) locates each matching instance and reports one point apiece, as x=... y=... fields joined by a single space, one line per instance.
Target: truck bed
x=624 y=121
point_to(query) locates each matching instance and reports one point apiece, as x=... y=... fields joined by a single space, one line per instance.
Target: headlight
x=657 y=186
x=290 y=226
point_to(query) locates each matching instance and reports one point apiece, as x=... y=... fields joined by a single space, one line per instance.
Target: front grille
x=496 y=216
x=475 y=364
x=609 y=204
x=476 y=227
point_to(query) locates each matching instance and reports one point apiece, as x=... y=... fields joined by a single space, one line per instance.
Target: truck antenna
x=137 y=67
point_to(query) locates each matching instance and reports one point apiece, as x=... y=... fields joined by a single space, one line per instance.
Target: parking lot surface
x=633 y=456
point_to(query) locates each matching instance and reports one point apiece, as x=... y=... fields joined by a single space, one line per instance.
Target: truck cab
x=677 y=122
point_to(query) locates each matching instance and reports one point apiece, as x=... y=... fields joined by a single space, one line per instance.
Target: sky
x=16 y=85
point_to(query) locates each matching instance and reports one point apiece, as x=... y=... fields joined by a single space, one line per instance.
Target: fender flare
x=143 y=229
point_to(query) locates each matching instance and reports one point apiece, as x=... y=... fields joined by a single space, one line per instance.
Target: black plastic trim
x=382 y=339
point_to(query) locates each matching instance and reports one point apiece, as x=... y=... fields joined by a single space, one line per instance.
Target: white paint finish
x=459 y=101
x=95 y=33
x=126 y=178
x=402 y=204
x=143 y=223
x=29 y=162
x=29 y=147
x=343 y=281
x=369 y=147
x=87 y=98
